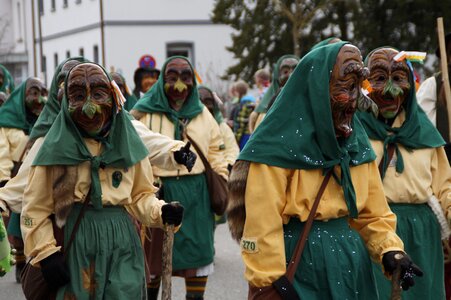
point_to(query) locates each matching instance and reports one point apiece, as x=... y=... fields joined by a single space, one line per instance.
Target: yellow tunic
x=160 y=148
x=275 y=194
x=231 y=150
x=204 y=130
x=12 y=145
x=135 y=192
x=426 y=172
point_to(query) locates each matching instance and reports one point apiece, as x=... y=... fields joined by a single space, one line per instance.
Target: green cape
x=274 y=87
x=155 y=101
x=298 y=131
x=52 y=107
x=217 y=112
x=416 y=132
x=64 y=145
x=8 y=81
x=13 y=113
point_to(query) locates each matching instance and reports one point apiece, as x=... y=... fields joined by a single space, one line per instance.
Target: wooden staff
x=444 y=66
x=168 y=243
x=395 y=280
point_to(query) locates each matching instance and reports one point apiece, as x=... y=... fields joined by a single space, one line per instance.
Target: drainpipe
x=102 y=33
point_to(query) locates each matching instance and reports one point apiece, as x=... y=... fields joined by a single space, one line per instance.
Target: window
x=44 y=64
x=53 y=5
x=81 y=52
x=96 y=54
x=19 y=18
x=41 y=7
x=180 y=48
x=55 y=59
x=78 y=1
x=67 y=54
x=65 y=4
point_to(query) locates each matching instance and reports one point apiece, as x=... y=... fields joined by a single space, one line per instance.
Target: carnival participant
x=241 y=113
x=6 y=81
x=414 y=170
x=311 y=134
x=172 y=108
x=144 y=79
x=84 y=152
x=280 y=74
x=129 y=97
x=17 y=117
x=211 y=101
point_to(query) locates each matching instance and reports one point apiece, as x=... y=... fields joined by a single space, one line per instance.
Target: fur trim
x=236 y=209
x=64 y=179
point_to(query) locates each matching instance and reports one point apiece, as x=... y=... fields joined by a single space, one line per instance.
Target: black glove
x=285 y=289
x=229 y=167
x=409 y=270
x=185 y=157
x=172 y=214
x=55 y=270
x=3 y=182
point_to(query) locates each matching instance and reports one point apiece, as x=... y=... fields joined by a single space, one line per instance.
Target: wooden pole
x=395 y=282
x=444 y=65
x=168 y=243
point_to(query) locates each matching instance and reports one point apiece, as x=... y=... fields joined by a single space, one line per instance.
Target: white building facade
x=118 y=33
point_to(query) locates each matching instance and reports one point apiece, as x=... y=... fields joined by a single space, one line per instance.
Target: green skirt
x=335 y=263
x=106 y=259
x=419 y=229
x=193 y=243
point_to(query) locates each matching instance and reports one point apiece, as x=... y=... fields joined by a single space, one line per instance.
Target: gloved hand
x=409 y=270
x=285 y=289
x=186 y=157
x=172 y=213
x=229 y=168
x=55 y=270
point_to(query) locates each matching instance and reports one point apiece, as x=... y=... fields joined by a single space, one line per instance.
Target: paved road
x=227 y=283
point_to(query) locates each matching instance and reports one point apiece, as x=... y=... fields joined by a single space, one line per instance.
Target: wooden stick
x=168 y=243
x=444 y=66
x=395 y=284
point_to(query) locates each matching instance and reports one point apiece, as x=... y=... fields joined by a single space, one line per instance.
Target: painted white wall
x=126 y=45
x=157 y=9
x=6 y=26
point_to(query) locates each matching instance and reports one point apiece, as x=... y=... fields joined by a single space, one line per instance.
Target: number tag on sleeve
x=249 y=245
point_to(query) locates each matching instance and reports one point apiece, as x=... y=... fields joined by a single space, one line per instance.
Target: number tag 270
x=249 y=245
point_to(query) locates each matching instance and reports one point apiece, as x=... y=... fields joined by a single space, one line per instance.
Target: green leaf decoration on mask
x=90 y=109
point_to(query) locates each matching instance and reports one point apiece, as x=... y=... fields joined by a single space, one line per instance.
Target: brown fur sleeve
x=137 y=114
x=236 y=210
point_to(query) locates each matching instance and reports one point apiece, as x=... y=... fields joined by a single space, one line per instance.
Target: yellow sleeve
x=231 y=150
x=161 y=148
x=145 y=206
x=6 y=161
x=216 y=156
x=376 y=223
x=262 y=245
x=37 y=230
x=441 y=180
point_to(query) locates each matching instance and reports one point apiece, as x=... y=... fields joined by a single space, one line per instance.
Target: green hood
x=64 y=145
x=13 y=113
x=298 y=131
x=217 y=112
x=417 y=132
x=8 y=81
x=274 y=87
x=322 y=43
x=155 y=101
x=52 y=107
x=129 y=97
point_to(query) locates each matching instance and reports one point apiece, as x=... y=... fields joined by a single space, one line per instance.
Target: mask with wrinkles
x=178 y=82
x=389 y=80
x=35 y=96
x=287 y=67
x=90 y=101
x=344 y=88
x=62 y=75
x=207 y=98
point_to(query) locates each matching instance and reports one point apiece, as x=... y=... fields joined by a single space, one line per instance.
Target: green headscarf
x=155 y=101
x=323 y=43
x=64 y=145
x=298 y=131
x=52 y=107
x=417 y=132
x=274 y=87
x=217 y=112
x=13 y=113
x=8 y=81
